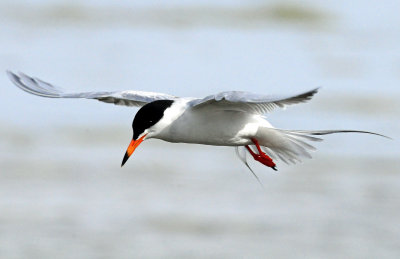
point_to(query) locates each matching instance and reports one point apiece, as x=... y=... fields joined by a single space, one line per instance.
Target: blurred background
x=63 y=193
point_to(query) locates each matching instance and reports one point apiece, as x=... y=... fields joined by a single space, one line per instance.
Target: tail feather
x=302 y=143
x=298 y=146
x=269 y=152
x=287 y=157
x=282 y=156
x=302 y=134
x=290 y=146
x=327 y=132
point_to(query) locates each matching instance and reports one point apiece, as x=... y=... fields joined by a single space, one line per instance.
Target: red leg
x=255 y=141
x=261 y=156
x=251 y=151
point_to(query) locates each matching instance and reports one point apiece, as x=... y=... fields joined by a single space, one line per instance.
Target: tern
x=233 y=118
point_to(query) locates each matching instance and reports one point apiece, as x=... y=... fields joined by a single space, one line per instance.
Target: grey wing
x=128 y=98
x=249 y=102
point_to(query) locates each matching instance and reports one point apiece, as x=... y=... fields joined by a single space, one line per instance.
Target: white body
x=208 y=126
x=220 y=127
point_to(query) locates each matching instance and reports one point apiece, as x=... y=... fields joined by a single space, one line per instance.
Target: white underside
x=232 y=128
x=221 y=127
x=218 y=128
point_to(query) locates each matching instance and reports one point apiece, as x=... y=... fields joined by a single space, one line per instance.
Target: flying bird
x=231 y=118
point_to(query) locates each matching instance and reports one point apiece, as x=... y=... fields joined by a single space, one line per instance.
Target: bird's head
x=146 y=124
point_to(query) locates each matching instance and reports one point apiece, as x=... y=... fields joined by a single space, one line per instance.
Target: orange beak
x=132 y=146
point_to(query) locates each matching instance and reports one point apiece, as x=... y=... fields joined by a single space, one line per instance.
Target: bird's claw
x=261 y=156
x=265 y=160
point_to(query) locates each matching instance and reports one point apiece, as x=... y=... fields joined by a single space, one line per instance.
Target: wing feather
x=127 y=98
x=249 y=102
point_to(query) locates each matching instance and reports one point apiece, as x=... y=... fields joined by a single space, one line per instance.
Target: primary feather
x=249 y=102
x=128 y=98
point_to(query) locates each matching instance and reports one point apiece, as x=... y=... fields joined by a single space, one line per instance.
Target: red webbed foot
x=261 y=156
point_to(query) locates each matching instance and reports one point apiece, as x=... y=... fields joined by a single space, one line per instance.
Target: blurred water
x=63 y=194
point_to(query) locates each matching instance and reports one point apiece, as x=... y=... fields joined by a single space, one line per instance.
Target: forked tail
x=290 y=146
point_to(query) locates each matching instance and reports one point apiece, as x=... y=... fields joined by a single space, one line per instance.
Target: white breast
x=211 y=127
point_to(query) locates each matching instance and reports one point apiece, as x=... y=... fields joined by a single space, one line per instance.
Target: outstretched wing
x=249 y=102
x=128 y=98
